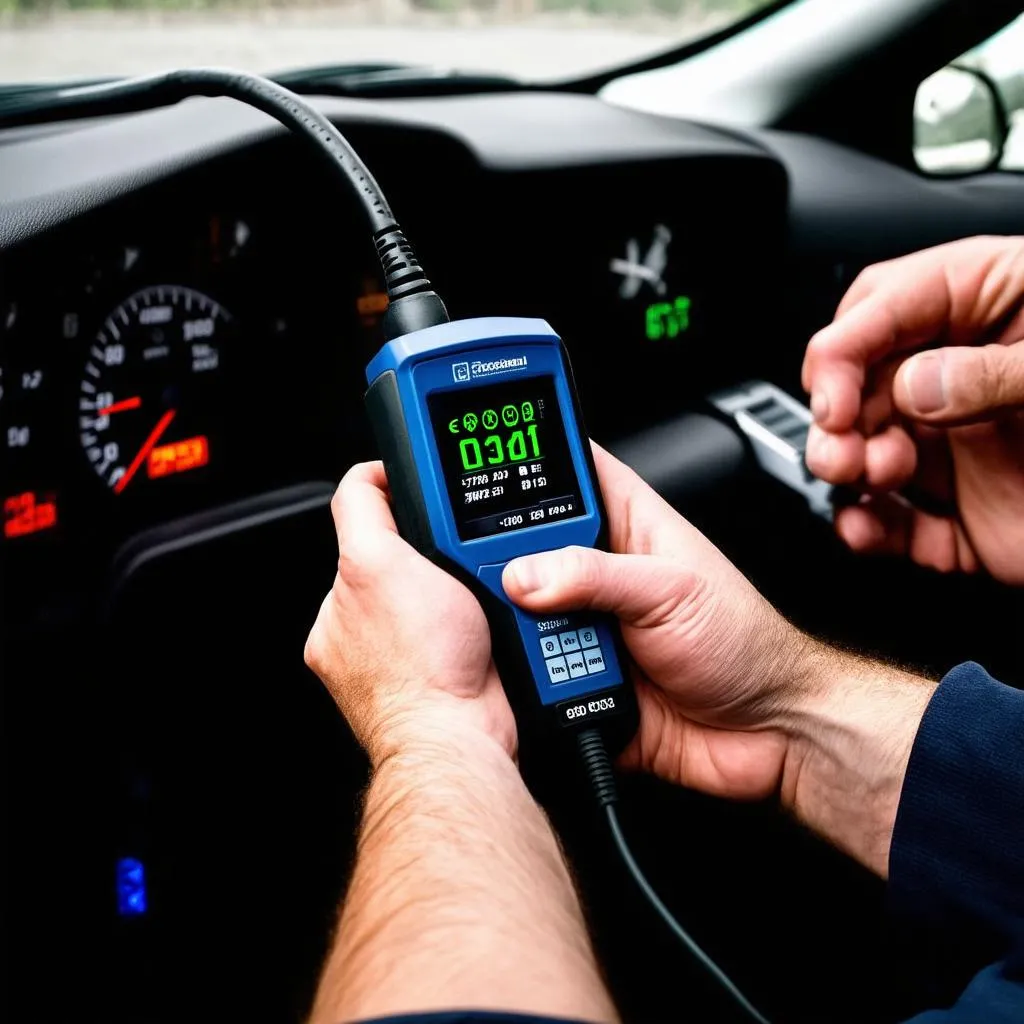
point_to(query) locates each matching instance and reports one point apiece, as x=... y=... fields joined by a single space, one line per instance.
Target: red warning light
x=178 y=456
x=26 y=513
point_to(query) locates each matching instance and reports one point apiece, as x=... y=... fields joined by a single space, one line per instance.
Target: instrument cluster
x=156 y=360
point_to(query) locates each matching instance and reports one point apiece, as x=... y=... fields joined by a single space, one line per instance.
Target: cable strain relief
x=413 y=313
x=412 y=302
x=403 y=274
x=598 y=767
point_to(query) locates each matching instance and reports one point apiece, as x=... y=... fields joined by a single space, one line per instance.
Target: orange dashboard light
x=26 y=513
x=178 y=456
x=372 y=303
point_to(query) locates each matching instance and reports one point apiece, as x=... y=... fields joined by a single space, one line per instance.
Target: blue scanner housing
x=570 y=656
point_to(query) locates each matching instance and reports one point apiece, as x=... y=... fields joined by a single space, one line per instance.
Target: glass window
x=529 y=39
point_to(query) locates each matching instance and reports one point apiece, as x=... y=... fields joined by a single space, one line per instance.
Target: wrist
x=440 y=730
x=850 y=730
x=460 y=879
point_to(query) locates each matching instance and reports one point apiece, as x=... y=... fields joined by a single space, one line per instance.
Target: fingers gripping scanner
x=479 y=427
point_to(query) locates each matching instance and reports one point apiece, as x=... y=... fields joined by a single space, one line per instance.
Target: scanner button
x=577 y=665
x=570 y=641
x=588 y=637
x=550 y=646
x=557 y=670
x=595 y=660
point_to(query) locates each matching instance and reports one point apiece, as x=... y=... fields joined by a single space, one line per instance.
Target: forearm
x=460 y=895
x=851 y=734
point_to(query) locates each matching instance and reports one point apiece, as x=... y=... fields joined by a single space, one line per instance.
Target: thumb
x=960 y=385
x=639 y=589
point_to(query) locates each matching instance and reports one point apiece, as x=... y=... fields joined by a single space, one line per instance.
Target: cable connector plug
x=412 y=302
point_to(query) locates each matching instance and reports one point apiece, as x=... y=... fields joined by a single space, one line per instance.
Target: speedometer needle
x=147 y=447
x=123 y=406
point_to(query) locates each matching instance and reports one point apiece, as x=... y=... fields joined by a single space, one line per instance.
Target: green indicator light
x=510 y=415
x=469 y=421
x=527 y=412
x=490 y=418
x=668 y=319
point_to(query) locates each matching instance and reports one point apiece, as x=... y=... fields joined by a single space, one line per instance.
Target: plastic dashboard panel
x=844 y=200
x=53 y=173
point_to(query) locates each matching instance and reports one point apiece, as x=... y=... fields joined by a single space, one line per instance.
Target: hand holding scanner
x=486 y=457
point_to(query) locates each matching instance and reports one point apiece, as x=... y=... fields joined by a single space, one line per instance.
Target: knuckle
x=868 y=278
x=1011 y=362
x=985 y=386
x=355 y=562
x=818 y=344
x=356 y=470
x=363 y=557
x=582 y=568
x=313 y=651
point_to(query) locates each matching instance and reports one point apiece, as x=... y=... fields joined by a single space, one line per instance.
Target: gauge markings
x=123 y=406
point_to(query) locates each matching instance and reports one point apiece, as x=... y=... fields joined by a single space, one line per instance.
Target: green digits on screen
x=495 y=449
x=505 y=455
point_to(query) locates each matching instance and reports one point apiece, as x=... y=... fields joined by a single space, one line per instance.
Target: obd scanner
x=479 y=427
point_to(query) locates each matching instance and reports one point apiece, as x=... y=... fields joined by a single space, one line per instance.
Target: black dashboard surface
x=53 y=173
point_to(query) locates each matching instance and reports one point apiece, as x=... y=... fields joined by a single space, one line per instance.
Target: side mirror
x=960 y=122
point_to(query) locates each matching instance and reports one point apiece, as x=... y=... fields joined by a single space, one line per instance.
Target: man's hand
x=918 y=384
x=460 y=896
x=734 y=700
x=402 y=646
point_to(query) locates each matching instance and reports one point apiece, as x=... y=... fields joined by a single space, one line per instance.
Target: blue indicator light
x=131 y=887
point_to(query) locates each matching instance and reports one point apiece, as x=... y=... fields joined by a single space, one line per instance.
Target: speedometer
x=148 y=397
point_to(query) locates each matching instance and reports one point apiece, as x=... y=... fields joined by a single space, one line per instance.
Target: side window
x=970 y=115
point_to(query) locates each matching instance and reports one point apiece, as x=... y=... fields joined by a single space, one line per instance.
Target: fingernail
x=819 y=406
x=522 y=574
x=925 y=387
x=817 y=445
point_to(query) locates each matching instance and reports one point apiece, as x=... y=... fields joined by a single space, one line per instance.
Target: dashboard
x=199 y=340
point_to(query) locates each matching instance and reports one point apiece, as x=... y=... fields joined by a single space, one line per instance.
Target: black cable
x=599 y=770
x=413 y=302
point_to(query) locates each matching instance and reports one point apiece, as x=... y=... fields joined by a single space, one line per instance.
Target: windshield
x=528 y=39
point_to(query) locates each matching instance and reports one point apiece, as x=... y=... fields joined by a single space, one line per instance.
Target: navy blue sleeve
x=992 y=997
x=956 y=865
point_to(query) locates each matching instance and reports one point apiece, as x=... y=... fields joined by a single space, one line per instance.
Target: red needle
x=147 y=447
x=123 y=406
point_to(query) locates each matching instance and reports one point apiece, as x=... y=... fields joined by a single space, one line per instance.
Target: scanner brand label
x=485 y=368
